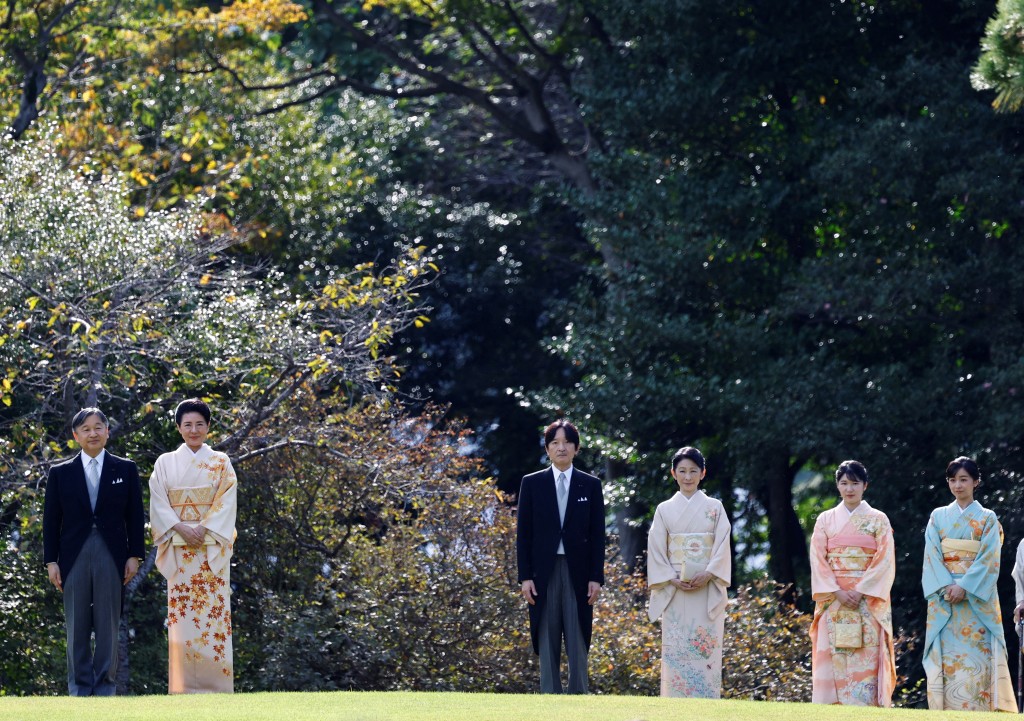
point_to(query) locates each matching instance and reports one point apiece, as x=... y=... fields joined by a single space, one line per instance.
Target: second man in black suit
x=560 y=546
x=92 y=541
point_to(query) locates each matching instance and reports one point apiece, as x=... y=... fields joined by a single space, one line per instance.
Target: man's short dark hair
x=83 y=415
x=571 y=434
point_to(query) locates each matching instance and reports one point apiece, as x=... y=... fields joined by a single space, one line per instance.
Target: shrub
x=767 y=654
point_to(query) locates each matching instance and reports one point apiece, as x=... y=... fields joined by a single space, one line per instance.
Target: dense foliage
x=787 y=234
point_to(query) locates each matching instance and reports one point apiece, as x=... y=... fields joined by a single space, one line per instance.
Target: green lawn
x=405 y=706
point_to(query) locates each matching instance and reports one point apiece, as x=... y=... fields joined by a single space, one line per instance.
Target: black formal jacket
x=68 y=517
x=583 y=535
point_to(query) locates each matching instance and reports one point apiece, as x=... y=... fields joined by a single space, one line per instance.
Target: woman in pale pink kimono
x=852 y=569
x=192 y=513
x=688 y=569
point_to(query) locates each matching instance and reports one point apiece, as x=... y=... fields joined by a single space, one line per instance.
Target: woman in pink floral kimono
x=192 y=513
x=852 y=569
x=688 y=569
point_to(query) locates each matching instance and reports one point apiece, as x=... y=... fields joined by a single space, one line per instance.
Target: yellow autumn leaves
x=251 y=16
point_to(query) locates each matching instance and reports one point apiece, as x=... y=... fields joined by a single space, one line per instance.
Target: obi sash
x=958 y=554
x=191 y=505
x=690 y=548
x=849 y=554
x=690 y=553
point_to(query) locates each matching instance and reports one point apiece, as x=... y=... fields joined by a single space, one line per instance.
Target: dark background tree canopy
x=786 y=233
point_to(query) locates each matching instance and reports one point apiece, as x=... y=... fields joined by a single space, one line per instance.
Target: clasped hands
x=954 y=594
x=193 y=535
x=849 y=599
x=696 y=583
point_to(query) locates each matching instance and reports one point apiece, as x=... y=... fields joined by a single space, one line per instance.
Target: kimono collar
x=862 y=507
x=960 y=511
x=186 y=453
x=697 y=495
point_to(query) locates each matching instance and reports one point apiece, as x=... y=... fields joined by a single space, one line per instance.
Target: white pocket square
x=580 y=500
x=116 y=481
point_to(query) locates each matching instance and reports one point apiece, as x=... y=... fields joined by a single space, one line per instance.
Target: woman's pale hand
x=850 y=599
x=694 y=584
x=193 y=535
x=701 y=579
x=954 y=593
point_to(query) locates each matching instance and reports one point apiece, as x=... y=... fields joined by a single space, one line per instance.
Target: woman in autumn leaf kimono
x=688 y=569
x=853 y=565
x=192 y=513
x=964 y=648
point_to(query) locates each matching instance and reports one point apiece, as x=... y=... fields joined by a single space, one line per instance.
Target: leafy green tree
x=218 y=103
x=1002 y=60
x=512 y=63
x=818 y=261
x=388 y=565
x=32 y=661
x=102 y=307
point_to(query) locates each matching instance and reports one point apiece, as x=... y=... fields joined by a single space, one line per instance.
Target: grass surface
x=407 y=706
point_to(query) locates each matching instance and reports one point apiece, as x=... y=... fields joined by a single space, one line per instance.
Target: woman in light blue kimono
x=965 y=651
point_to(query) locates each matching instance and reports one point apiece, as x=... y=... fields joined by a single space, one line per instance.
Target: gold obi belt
x=849 y=554
x=191 y=505
x=690 y=552
x=958 y=554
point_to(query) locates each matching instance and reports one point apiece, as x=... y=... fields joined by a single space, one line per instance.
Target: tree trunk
x=632 y=532
x=788 y=545
x=123 y=668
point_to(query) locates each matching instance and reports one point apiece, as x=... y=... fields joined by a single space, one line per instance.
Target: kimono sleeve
x=220 y=519
x=980 y=579
x=162 y=517
x=720 y=565
x=823 y=579
x=659 y=567
x=934 y=574
x=881 y=571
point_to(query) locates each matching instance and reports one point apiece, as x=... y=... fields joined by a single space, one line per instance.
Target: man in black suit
x=560 y=545
x=92 y=543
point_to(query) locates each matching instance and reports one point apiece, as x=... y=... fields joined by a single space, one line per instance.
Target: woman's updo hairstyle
x=966 y=464
x=855 y=470
x=192 y=405
x=688 y=452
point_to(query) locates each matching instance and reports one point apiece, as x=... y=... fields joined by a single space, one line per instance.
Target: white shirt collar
x=848 y=511
x=99 y=459
x=567 y=472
